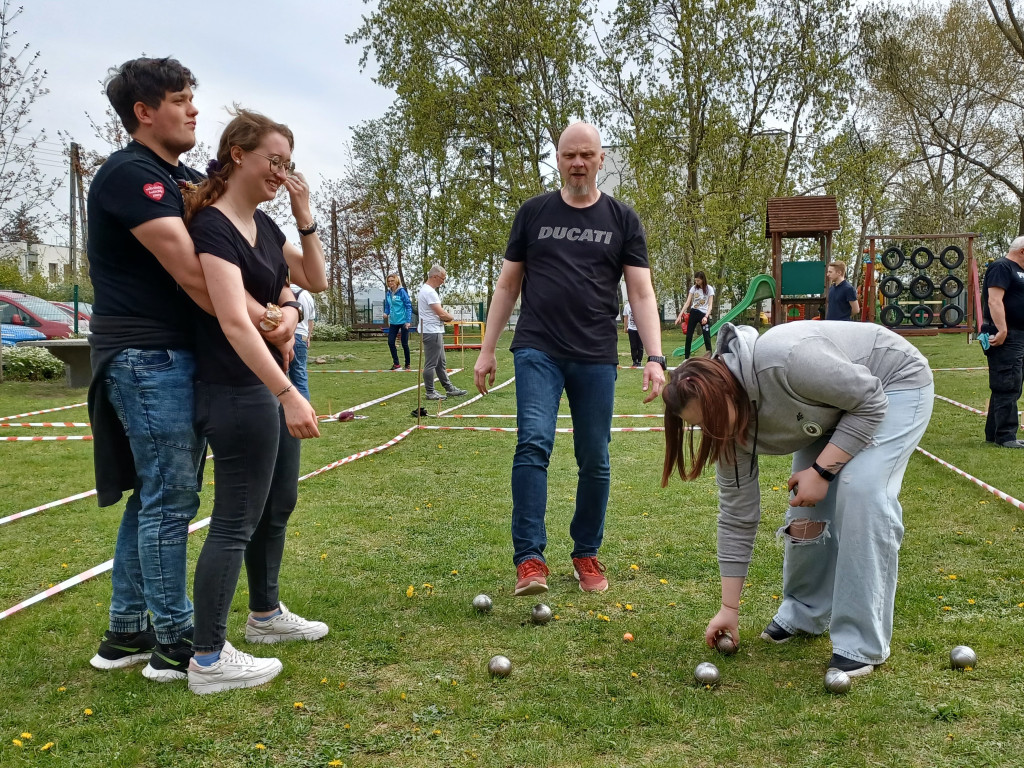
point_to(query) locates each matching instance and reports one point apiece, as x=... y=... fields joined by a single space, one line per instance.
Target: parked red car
x=23 y=309
x=84 y=313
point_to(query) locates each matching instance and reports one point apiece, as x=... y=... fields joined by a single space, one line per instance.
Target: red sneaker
x=532 y=575
x=590 y=573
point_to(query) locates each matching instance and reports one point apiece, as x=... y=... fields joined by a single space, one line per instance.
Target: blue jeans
x=845 y=579
x=590 y=389
x=297 y=368
x=256 y=470
x=151 y=391
x=393 y=331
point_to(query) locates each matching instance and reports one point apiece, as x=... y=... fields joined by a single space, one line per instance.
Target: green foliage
x=31 y=364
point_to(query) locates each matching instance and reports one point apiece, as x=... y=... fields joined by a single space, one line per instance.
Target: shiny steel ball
x=540 y=614
x=706 y=673
x=962 y=657
x=499 y=666
x=725 y=645
x=837 y=681
x=482 y=603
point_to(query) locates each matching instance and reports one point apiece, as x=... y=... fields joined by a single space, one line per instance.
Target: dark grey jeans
x=256 y=470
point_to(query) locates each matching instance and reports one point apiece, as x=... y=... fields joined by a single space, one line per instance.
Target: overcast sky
x=287 y=59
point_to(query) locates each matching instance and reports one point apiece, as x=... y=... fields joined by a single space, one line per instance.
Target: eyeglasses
x=277 y=164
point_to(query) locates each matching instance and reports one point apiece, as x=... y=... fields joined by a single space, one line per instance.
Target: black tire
x=922 y=257
x=951 y=287
x=893 y=257
x=951 y=315
x=892 y=316
x=922 y=315
x=921 y=287
x=890 y=287
x=952 y=257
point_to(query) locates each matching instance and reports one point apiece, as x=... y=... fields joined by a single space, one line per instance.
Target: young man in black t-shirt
x=566 y=254
x=141 y=396
x=1003 y=306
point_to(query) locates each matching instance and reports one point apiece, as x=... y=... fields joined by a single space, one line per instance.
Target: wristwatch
x=296 y=305
x=829 y=476
x=307 y=230
x=659 y=360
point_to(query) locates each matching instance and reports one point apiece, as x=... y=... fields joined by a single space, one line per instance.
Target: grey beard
x=578 y=190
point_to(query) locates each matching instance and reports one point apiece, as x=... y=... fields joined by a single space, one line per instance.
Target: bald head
x=579 y=159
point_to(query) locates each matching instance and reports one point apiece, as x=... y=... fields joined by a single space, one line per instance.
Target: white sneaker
x=287 y=626
x=234 y=669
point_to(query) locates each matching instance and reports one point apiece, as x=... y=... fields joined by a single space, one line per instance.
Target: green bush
x=31 y=364
x=328 y=332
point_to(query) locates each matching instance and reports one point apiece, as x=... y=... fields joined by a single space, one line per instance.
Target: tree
x=24 y=188
x=950 y=79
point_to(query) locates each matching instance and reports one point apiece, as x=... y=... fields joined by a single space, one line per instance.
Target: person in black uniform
x=142 y=264
x=1003 y=306
x=246 y=406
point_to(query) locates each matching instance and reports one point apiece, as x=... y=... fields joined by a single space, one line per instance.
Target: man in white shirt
x=432 y=320
x=303 y=331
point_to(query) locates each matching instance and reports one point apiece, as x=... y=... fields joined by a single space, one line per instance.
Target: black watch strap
x=659 y=360
x=308 y=230
x=297 y=306
x=830 y=476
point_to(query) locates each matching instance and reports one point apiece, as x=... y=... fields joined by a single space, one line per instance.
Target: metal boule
x=706 y=673
x=499 y=666
x=541 y=614
x=725 y=645
x=837 y=681
x=482 y=603
x=962 y=657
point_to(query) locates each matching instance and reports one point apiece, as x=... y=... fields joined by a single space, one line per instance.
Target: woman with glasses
x=245 y=404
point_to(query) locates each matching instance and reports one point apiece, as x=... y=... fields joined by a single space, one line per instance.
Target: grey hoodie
x=804 y=380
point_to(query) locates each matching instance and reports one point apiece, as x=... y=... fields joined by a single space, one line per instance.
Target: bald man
x=1003 y=307
x=566 y=254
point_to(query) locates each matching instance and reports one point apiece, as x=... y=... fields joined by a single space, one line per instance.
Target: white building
x=53 y=261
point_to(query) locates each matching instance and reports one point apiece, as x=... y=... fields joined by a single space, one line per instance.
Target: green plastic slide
x=761 y=287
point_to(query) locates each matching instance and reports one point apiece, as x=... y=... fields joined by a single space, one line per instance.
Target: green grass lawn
x=401 y=680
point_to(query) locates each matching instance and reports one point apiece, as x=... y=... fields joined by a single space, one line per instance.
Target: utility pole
x=72 y=207
x=334 y=260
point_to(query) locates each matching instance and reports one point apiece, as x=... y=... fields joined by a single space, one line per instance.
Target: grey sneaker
x=287 y=626
x=455 y=392
x=435 y=396
x=1012 y=444
x=234 y=669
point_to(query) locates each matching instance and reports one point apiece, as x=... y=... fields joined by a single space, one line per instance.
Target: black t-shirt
x=132 y=187
x=839 y=298
x=264 y=275
x=573 y=260
x=1005 y=274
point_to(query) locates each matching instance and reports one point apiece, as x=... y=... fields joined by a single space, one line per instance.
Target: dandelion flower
x=634 y=567
x=323 y=681
x=17 y=742
x=26 y=735
x=633 y=674
x=63 y=565
x=455 y=572
x=348 y=726
x=970 y=601
x=61 y=689
x=402 y=696
x=946 y=608
x=298 y=705
x=46 y=746
x=663 y=581
x=629 y=607
x=341 y=686
x=952 y=577
x=410 y=591
x=261 y=746
x=323 y=556
x=338 y=762
x=88 y=711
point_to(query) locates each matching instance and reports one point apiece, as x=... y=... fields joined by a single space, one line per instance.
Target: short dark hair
x=145 y=80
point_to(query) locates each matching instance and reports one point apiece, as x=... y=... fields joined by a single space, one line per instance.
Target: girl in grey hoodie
x=850 y=402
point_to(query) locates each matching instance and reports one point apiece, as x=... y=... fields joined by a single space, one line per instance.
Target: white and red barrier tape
x=348 y=459
x=83 y=576
x=444 y=415
x=979 y=368
x=45 y=410
x=990 y=488
x=375 y=370
x=368 y=403
x=49 y=505
x=562 y=430
x=43 y=438
x=5 y=424
x=969 y=408
x=474 y=398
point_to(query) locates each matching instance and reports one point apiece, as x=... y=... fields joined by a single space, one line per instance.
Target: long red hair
x=726 y=412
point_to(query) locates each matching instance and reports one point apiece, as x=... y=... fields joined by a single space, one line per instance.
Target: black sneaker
x=123 y=649
x=169 y=662
x=773 y=633
x=849 y=666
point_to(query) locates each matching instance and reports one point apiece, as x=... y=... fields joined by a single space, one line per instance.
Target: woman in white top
x=699 y=301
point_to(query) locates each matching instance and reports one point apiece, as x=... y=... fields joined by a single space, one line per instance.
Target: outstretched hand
x=654 y=380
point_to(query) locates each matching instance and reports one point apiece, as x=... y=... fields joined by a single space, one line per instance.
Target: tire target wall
x=920 y=288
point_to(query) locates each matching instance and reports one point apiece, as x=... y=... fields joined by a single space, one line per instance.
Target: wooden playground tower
x=800 y=282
